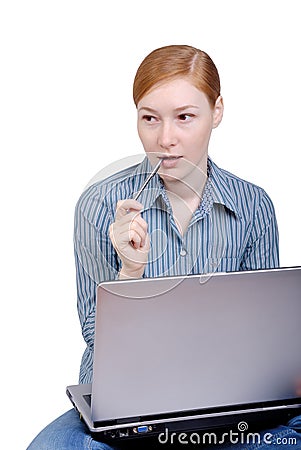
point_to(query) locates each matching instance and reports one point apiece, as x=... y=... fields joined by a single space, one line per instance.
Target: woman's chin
x=170 y=175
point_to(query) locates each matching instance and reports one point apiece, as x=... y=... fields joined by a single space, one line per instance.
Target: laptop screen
x=167 y=345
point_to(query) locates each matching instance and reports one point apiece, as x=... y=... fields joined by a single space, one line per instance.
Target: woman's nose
x=167 y=135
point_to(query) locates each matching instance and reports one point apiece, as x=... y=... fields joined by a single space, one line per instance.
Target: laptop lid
x=175 y=344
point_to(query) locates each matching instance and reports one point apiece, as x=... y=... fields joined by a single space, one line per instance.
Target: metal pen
x=155 y=170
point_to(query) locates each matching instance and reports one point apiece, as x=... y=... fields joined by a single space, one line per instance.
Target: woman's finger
x=123 y=207
x=122 y=234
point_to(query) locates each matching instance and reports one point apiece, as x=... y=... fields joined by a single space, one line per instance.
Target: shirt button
x=183 y=252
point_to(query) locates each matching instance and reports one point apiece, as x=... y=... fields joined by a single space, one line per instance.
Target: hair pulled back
x=177 y=61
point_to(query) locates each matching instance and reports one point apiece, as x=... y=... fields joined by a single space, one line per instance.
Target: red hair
x=177 y=61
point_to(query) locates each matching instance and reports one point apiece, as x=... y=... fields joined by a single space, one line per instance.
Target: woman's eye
x=148 y=118
x=185 y=117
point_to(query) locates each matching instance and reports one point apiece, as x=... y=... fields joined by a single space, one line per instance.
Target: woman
x=193 y=217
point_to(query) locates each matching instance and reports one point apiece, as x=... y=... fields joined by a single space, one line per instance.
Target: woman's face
x=175 y=121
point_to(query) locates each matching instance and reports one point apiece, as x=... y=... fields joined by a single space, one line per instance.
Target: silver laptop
x=180 y=354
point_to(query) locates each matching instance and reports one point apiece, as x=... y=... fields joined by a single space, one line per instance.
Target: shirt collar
x=216 y=183
x=221 y=191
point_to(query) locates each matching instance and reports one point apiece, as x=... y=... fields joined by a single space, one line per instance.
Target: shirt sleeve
x=262 y=251
x=95 y=256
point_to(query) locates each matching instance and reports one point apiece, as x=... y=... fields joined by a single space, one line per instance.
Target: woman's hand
x=130 y=238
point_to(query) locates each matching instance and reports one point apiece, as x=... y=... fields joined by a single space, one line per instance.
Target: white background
x=66 y=111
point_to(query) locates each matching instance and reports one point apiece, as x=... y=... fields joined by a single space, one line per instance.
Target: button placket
x=183 y=251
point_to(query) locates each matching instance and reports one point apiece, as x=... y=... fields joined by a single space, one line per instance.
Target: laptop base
x=204 y=430
x=212 y=423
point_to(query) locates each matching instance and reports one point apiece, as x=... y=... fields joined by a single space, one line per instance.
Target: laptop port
x=123 y=433
x=142 y=429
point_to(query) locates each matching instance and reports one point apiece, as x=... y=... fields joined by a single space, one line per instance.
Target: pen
x=155 y=170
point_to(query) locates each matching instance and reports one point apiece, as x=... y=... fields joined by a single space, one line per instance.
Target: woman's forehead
x=176 y=92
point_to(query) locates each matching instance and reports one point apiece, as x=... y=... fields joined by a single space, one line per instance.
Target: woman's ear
x=218 y=111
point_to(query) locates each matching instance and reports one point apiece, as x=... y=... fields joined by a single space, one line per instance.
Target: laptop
x=186 y=353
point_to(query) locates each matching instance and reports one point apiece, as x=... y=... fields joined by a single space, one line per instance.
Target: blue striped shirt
x=233 y=229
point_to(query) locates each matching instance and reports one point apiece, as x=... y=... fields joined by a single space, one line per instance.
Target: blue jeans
x=68 y=432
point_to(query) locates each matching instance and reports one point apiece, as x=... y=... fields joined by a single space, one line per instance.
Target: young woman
x=192 y=217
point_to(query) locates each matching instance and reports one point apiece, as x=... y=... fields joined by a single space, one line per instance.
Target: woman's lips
x=171 y=161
